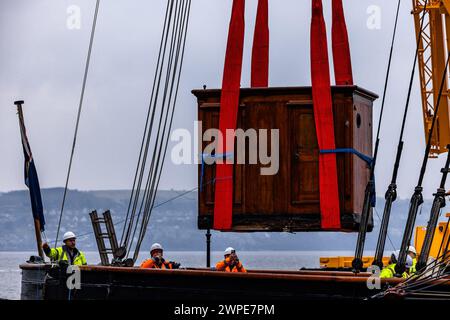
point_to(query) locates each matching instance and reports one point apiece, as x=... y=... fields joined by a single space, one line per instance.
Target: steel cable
x=80 y=106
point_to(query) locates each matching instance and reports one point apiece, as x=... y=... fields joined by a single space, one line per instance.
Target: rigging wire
x=431 y=273
x=138 y=187
x=158 y=124
x=438 y=204
x=148 y=135
x=370 y=187
x=180 y=195
x=443 y=239
x=391 y=193
x=389 y=238
x=441 y=260
x=417 y=198
x=173 y=93
x=386 y=81
x=429 y=278
x=417 y=286
x=80 y=106
x=152 y=108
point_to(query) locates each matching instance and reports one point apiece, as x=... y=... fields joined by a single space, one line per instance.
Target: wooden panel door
x=304 y=156
x=210 y=117
x=259 y=190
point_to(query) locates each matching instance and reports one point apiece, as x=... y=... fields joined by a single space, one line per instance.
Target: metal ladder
x=100 y=236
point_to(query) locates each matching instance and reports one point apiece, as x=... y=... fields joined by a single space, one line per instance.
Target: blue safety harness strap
x=214 y=156
x=366 y=158
x=362 y=156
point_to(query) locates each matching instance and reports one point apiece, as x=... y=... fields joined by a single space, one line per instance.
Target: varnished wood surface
x=289 y=200
x=251 y=274
x=197 y=284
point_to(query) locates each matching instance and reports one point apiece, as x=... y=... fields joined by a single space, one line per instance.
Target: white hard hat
x=156 y=246
x=412 y=249
x=228 y=250
x=409 y=262
x=69 y=235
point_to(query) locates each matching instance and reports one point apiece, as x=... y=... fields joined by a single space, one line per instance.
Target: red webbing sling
x=341 y=49
x=229 y=103
x=260 y=53
x=323 y=115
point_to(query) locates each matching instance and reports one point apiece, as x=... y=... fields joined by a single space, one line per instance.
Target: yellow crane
x=433 y=50
x=434 y=45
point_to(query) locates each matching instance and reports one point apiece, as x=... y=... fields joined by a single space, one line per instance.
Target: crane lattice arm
x=433 y=51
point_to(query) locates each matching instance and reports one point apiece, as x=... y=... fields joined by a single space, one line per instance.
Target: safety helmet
x=156 y=246
x=412 y=249
x=69 y=235
x=228 y=250
x=408 y=262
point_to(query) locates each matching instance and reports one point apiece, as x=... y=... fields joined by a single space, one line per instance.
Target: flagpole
x=37 y=229
x=37 y=223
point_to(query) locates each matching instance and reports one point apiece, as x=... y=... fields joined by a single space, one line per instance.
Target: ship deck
x=104 y=282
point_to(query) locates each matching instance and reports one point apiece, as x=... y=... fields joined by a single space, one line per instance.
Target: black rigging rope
x=148 y=135
x=369 y=192
x=443 y=238
x=139 y=182
x=158 y=124
x=430 y=275
x=417 y=198
x=162 y=148
x=182 y=194
x=385 y=220
x=389 y=238
x=424 y=284
x=80 y=106
x=434 y=271
x=438 y=204
x=440 y=261
x=386 y=81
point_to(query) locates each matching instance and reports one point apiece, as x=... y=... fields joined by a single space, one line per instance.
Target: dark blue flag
x=31 y=177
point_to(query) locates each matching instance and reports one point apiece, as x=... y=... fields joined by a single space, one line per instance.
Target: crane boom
x=433 y=50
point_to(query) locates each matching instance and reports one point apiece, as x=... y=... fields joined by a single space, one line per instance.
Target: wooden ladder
x=100 y=236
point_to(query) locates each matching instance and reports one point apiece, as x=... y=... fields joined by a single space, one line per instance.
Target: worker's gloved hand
x=234 y=259
x=158 y=260
x=175 y=265
x=63 y=264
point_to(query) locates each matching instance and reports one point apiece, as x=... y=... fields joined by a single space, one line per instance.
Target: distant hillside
x=174 y=223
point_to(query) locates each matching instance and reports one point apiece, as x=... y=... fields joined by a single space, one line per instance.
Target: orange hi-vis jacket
x=151 y=264
x=225 y=265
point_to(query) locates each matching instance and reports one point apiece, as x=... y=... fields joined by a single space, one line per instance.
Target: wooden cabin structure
x=289 y=200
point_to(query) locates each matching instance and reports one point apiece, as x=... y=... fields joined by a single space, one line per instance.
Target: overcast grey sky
x=42 y=61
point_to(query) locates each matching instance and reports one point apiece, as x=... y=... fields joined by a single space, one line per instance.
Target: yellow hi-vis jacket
x=413 y=269
x=389 y=272
x=62 y=253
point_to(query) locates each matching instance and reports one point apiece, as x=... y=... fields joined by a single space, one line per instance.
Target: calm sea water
x=10 y=275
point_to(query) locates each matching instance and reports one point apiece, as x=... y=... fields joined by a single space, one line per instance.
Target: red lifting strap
x=260 y=53
x=229 y=103
x=341 y=49
x=323 y=115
